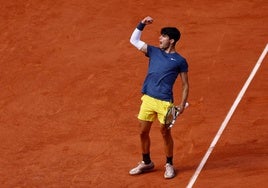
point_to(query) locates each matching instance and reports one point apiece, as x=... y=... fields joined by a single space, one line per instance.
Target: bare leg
x=145 y=127
x=168 y=141
x=168 y=145
x=146 y=165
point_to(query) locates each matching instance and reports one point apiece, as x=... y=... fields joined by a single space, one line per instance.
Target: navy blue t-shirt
x=163 y=71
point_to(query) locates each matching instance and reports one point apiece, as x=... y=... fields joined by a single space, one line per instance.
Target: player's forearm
x=136 y=35
x=185 y=92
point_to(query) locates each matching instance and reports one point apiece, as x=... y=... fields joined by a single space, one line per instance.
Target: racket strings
x=171 y=115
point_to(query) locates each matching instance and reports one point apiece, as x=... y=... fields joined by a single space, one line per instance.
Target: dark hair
x=171 y=32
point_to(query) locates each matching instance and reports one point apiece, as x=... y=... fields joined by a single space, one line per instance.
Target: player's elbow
x=132 y=41
x=137 y=43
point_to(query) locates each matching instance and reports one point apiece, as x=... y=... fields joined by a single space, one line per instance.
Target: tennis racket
x=172 y=114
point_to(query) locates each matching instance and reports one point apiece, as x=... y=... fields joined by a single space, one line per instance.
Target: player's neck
x=170 y=49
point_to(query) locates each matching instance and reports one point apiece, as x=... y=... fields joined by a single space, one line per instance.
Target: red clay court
x=70 y=86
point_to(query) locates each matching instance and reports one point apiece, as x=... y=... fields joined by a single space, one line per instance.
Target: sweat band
x=140 y=26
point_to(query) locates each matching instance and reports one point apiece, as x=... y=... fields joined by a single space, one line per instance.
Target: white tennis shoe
x=142 y=167
x=170 y=172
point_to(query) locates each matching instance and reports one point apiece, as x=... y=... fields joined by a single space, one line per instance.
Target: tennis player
x=165 y=65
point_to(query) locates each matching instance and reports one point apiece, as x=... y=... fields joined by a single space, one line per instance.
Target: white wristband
x=135 y=39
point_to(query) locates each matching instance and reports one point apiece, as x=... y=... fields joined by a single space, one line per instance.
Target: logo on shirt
x=172 y=59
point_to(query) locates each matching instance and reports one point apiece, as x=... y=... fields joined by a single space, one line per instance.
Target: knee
x=144 y=133
x=165 y=132
x=145 y=129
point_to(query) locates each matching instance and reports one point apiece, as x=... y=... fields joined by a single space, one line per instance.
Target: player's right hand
x=147 y=20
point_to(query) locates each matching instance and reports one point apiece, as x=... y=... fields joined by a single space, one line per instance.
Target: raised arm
x=136 y=35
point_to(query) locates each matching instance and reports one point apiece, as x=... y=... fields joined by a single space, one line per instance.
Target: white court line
x=228 y=117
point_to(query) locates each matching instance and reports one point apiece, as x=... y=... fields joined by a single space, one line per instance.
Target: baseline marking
x=228 y=117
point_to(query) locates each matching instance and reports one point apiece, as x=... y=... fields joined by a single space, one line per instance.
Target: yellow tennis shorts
x=152 y=108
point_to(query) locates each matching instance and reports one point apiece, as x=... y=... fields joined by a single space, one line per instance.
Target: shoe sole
x=166 y=177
